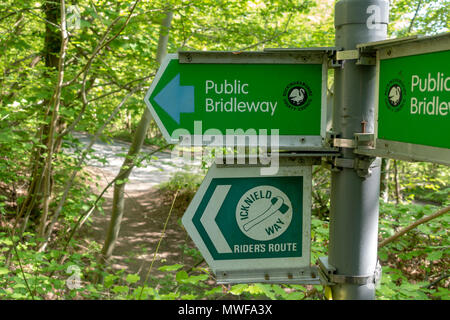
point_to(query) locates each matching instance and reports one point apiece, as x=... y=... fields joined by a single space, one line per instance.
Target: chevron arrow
x=176 y=99
x=208 y=219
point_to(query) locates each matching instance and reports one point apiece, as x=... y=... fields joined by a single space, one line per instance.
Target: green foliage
x=41 y=275
x=412 y=265
x=185 y=181
x=321 y=192
x=419 y=17
x=426 y=182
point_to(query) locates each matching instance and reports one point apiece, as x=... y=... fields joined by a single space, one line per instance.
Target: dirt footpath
x=146 y=211
x=141 y=230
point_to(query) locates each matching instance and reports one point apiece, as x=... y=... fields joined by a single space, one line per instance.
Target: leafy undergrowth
x=184 y=185
x=415 y=266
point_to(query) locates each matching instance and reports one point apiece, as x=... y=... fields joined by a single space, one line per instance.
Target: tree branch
x=103 y=43
x=414 y=17
x=275 y=36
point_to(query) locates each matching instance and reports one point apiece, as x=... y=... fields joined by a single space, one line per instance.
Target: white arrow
x=208 y=219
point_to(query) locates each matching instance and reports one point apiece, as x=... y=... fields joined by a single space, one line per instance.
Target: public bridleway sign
x=253 y=228
x=413 y=113
x=251 y=93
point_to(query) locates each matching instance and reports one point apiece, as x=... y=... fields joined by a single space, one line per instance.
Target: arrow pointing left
x=208 y=218
x=176 y=99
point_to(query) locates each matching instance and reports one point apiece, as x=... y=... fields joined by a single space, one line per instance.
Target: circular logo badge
x=297 y=95
x=264 y=213
x=394 y=95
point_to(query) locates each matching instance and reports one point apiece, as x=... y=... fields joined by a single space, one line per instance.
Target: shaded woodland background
x=84 y=66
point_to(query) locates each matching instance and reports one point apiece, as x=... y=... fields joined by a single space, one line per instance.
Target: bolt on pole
x=355 y=196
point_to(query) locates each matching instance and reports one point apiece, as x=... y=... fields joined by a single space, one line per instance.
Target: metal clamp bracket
x=362 y=57
x=360 y=141
x=365 y=140
x=347 y=55
x=328 y=276
x=362 y=165
x=334 y=141
x=344 y=143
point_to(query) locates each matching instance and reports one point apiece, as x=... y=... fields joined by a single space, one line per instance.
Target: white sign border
x=262 y=264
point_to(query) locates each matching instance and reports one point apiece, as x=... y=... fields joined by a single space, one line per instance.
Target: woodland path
x=146 y=210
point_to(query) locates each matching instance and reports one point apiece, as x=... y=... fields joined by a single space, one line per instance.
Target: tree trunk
x=164 y=37
x=54 y=121
x=128 y=164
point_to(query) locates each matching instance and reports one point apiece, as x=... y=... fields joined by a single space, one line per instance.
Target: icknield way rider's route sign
x=249 y=93
x=252 y=227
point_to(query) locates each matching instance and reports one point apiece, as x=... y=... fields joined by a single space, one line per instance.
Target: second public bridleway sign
x=251 y=93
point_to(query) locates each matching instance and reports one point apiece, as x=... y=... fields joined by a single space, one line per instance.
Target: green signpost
x=253 y=228
x=248 y=94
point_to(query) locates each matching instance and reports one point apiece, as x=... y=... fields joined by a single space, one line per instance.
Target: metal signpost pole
x=355 y=182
